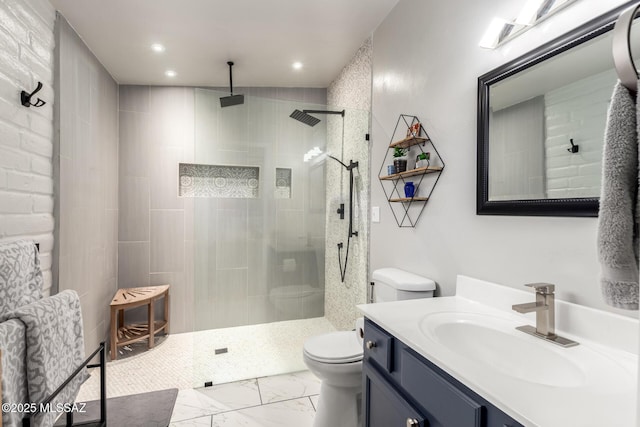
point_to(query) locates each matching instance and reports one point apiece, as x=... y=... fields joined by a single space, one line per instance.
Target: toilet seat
x=334 y=348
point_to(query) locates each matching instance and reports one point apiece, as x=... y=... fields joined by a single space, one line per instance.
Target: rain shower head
x=227 y=101
x=304 y=117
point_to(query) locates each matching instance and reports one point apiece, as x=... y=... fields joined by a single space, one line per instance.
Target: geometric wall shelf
x=423 y=168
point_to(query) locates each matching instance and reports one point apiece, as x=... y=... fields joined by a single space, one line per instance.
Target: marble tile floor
x=288 y=400
x=186 y=361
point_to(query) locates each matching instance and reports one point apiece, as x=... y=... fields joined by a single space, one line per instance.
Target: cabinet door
x=383 y=404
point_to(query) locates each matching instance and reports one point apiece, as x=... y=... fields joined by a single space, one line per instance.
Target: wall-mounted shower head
x=304 y=117
x=227 y=101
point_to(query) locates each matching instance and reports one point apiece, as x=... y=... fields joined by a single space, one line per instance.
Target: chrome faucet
x=545 y=310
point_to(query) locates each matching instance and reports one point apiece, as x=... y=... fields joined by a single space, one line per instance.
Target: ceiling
x=262 y=37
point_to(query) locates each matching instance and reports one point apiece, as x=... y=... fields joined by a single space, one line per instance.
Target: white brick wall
x=577 y=111
x=26 y=134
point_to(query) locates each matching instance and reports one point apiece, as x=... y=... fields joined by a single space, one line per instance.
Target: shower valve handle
x=340 y=211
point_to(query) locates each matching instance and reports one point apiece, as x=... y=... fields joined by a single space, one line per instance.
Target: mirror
x=541 y=122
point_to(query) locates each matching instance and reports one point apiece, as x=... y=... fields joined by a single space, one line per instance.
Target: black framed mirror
x=541 y=120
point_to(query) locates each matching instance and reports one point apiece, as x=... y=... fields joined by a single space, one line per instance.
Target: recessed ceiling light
x=297 y=65
x=170 y=73
x=157 y=47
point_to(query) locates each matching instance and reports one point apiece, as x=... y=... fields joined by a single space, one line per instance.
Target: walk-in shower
x=258 y=202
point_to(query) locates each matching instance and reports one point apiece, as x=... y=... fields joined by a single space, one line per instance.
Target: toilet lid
x=334 y=347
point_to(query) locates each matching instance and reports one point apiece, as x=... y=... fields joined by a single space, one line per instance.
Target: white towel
x=618 y=216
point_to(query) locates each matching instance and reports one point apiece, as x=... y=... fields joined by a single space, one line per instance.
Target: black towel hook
x=26 y=97
x=574 y=147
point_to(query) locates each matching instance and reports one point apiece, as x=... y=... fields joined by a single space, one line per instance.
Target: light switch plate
x=375 y=214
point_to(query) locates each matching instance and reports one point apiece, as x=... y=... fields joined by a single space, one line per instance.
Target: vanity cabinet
x=403 y=389
x=410 y=135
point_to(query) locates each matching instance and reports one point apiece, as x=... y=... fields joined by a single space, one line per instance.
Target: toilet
x=336 y=357
x=293 y=300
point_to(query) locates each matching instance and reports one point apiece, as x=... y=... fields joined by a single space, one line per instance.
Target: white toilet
x=336 y=357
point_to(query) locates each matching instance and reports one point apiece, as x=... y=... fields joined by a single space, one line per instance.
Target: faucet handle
x=542 y=288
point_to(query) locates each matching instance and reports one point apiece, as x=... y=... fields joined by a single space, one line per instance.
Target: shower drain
x=222 y=350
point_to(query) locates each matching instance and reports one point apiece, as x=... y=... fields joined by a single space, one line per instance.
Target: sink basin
x=495 y=344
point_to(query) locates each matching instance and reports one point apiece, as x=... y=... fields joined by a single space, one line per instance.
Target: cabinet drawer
x=445 y=403
x=384 y=406
x=378 y=346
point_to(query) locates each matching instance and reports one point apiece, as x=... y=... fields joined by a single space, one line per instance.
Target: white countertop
x=603 y=393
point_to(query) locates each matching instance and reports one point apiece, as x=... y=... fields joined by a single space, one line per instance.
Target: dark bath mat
x=151 y=409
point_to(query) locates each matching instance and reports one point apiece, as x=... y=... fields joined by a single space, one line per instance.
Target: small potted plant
x=400 y=159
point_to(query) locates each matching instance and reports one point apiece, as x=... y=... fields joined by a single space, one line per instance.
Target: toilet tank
x=393 y=284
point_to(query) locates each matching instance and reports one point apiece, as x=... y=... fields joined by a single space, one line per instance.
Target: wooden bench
x=124 y=299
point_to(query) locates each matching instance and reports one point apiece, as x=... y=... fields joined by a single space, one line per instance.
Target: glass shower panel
x=258 y=224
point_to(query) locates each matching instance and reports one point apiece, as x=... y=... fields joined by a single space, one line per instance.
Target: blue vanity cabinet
x=403 y=389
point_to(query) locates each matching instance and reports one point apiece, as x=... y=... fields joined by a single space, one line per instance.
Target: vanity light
x=534 y=11
x=497 y=31
x=170 y=73
x=529 y=13
x=297 y=65
x=157 y=47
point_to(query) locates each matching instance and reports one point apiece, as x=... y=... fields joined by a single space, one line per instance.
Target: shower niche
x=201 y=180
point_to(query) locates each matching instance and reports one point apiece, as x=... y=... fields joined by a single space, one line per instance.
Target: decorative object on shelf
x=422 y=160
x=414 y=130
x=25 y=97
x=391 y=169
x=401 y=194
x=400 y=159
x=409 y=189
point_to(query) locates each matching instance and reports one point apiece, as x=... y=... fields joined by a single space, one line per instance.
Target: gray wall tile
x=134 y=209
x=134 y=98
x=86 y=181
x=230 y=306
x=134 y=144
x=164 y=177
x=167 y=241
x=133 y=264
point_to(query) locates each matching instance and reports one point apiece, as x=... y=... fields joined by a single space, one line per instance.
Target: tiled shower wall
x=352 y=89
x=259 y=259
x=156 y=133
x=86 y=166
x=224 y=243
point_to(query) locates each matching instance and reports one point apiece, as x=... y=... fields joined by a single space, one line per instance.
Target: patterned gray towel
x=55 y=348
x=618 y=217
x=20 y=276
x=14 y=372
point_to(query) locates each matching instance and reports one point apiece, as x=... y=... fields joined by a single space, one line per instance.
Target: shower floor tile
x=188 y=360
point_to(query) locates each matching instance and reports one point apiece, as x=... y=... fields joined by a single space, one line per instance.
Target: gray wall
x=430 y=69
x=86 y=163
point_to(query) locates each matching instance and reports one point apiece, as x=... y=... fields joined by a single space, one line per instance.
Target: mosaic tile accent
x=351 y=90
x=283 y=183
x=198 y=180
